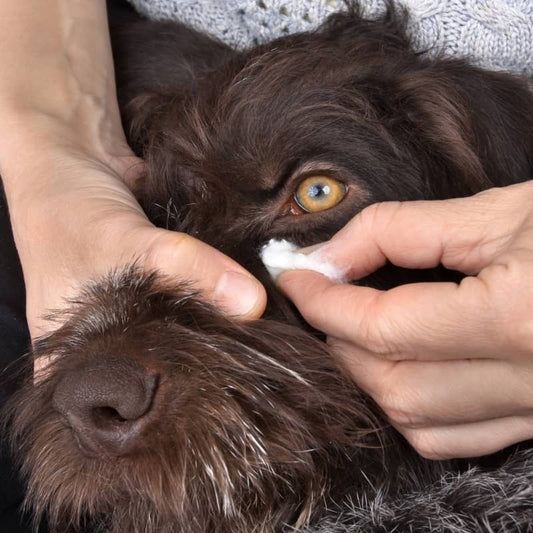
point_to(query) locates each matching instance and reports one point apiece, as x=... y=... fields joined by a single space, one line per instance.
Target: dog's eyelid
x=317 y=168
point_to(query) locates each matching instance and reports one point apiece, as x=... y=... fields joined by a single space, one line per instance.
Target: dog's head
x=158 y=413
x=251 y=141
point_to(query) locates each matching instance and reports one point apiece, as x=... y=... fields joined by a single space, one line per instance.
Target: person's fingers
x=425 y=321
x=182 y=257
x=461 y=233
x=417 y=394
x=221 y=280
x=469 y=440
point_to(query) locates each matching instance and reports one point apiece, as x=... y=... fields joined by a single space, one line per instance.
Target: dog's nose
x=107 y=404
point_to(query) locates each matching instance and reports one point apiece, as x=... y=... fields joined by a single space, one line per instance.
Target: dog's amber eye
x=318 y=193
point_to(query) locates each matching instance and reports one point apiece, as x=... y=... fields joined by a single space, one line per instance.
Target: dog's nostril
x=107 y=416
x=107 y=404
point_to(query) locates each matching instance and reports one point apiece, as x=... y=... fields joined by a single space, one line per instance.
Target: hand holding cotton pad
x=281 y=255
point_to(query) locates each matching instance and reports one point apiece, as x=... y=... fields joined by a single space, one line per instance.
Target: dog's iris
x=318 y=193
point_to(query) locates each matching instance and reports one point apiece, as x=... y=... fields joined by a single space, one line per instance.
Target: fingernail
x=236 y=293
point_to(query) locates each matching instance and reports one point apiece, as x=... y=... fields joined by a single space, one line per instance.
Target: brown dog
x=161 y=415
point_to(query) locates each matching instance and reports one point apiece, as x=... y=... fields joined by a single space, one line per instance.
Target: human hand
x=66 y=168
x=451 y=365
x=79 y=221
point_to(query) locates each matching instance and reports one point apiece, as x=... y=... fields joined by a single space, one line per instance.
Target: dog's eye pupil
x=319 y=190
x=318 y=193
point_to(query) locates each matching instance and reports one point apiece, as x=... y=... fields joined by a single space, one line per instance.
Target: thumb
x=221 y=280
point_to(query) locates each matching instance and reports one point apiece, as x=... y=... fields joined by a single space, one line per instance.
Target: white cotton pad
x=281 y=255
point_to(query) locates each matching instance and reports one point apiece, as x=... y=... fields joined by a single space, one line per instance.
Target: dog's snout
x=107 y=404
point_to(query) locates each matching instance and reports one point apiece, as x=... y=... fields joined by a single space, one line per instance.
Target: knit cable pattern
x=495 y=34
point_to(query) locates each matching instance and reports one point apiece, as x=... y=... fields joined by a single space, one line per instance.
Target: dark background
x=14 y=342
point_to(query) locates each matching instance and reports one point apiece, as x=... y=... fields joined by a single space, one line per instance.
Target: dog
x=161 y=415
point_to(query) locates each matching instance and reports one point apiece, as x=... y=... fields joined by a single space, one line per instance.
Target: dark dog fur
x=161 y=415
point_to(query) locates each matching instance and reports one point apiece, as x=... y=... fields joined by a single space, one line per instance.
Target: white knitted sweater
x=496 y=34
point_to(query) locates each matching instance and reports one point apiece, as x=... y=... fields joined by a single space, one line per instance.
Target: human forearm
x=64 y=94
x=60 y=130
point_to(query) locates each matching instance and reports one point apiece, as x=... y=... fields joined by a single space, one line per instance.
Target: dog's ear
x=157 y=63
x=139 y=115
x=163 y=57
x=478 y=124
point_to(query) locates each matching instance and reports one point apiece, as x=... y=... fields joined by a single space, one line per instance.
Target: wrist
x=42 y=153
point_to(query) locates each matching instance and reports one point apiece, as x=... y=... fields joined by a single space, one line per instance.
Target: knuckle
x=509 y=295
x=518 y=334
x=376 y=334
x=380 y=214
x=427 y=444
x=167 y=248
x=402 y=409
x=315 y=313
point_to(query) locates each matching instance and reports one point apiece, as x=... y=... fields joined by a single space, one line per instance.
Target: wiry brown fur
x=252 y=428
x=245 y=432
